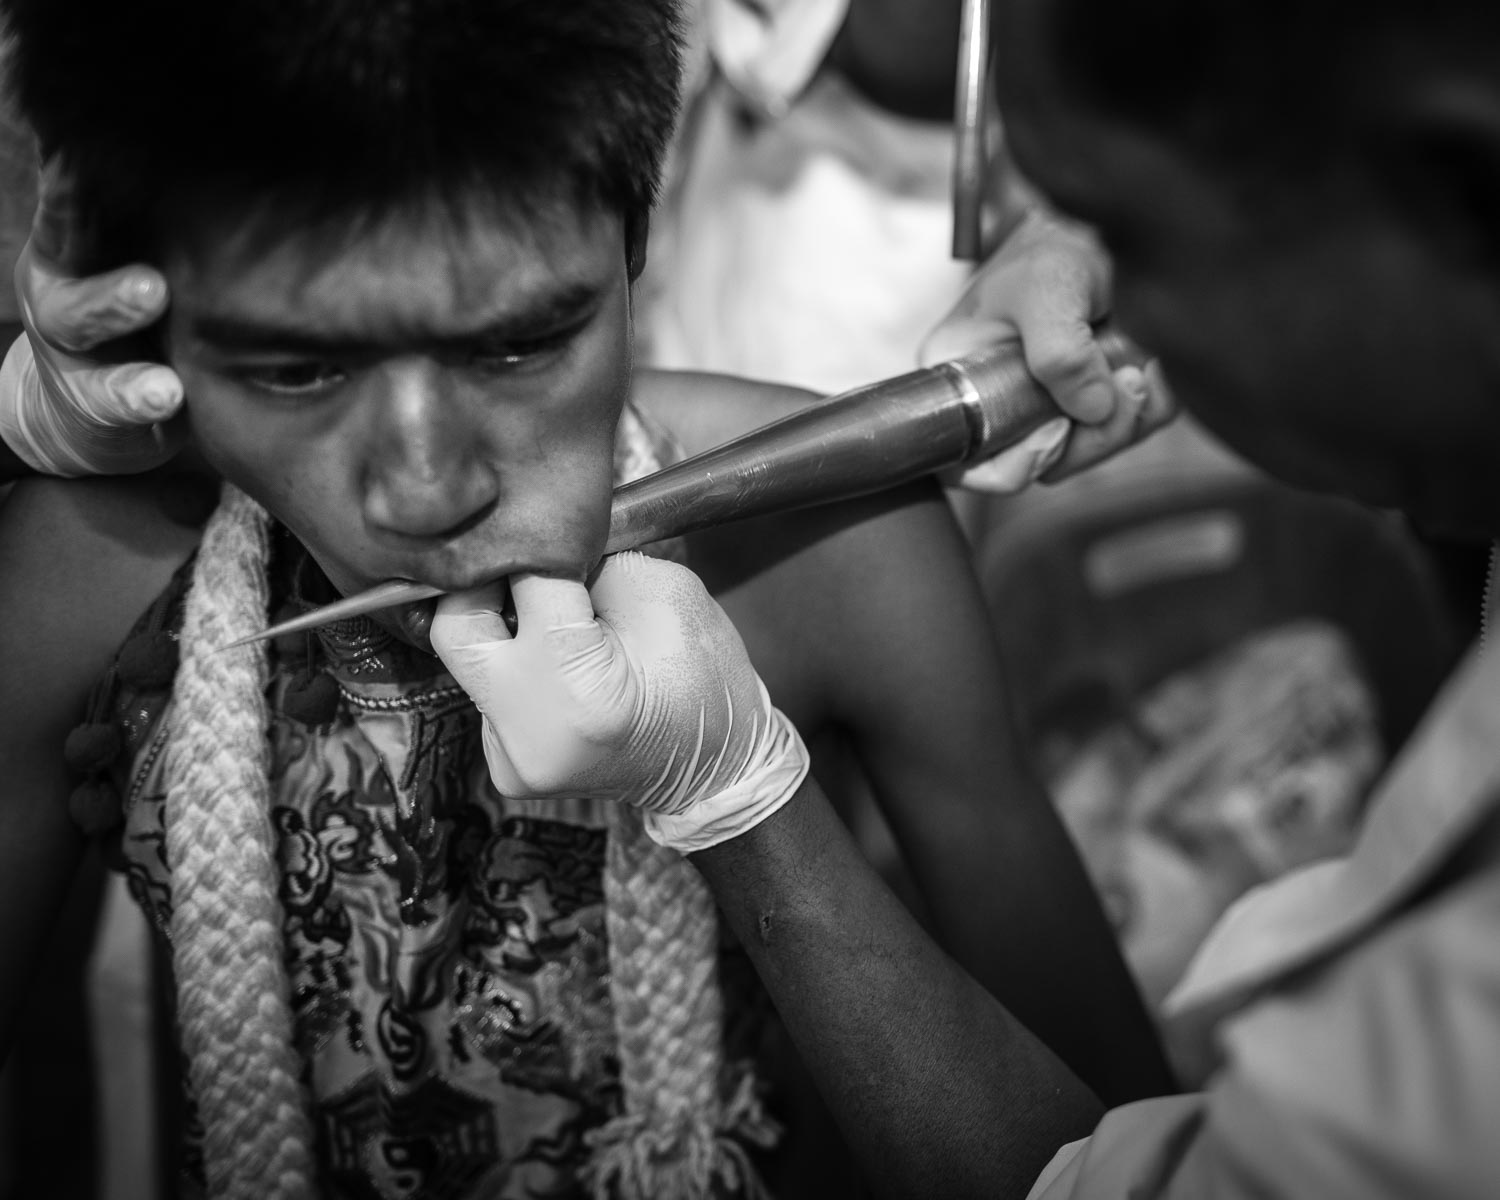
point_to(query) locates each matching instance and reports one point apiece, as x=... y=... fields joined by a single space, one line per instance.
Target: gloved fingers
x=132 y=393
x=140 y=447
x=55 y=224
x=1145 y=406
x=470 y=618
x=76 y=315
x=634 y=593
x=469 y=635
x=546 y=602
x=1018 y=466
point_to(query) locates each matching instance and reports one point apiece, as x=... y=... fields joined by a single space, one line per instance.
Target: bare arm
x=937 y=1088
x=916 y=684
x=866 y=617
x=81 y=562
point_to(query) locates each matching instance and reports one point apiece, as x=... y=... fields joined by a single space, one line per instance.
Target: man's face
x=1302 y=320
x=425 y=398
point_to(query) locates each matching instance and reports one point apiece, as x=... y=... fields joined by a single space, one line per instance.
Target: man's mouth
x=413 y=622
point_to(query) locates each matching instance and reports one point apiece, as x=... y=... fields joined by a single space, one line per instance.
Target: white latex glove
x=62 y=411
x=638 y=690
x=1046 y=286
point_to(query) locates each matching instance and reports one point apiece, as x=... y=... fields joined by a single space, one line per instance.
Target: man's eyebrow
x=229 y=331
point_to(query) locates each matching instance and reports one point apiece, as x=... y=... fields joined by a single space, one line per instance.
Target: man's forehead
x=403 y=273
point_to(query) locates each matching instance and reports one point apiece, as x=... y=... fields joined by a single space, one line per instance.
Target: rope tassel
x=678 y=1136
x=232 y=990
x=675 y=1139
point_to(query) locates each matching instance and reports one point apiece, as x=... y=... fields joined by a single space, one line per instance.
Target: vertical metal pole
x=969 y=130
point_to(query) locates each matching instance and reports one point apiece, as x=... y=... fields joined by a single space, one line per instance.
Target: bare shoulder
x=832 y=599
x=79 y=563
x=837 y=604
x=702 y=410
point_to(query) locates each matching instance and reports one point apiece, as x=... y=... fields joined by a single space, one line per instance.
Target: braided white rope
x=233 y=994
x=674 y=1138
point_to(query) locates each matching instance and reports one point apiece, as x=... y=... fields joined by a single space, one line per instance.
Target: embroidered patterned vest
x=446 y=945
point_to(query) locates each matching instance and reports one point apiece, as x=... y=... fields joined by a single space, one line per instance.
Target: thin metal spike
x=382 y=595
x=849 y=445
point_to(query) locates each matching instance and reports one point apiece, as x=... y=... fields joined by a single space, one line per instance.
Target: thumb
x=127 y=395
x=549 y=602
x=77 y=314
x=555 y=625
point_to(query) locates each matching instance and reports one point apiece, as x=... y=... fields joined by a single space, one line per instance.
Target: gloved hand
x=637 y=690
x=62 y=411
x=1045 y=286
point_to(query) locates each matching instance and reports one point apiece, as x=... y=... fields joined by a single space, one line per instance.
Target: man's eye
x=294 y=379
x=518 y=352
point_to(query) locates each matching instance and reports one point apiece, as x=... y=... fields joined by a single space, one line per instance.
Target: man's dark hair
x=346 y=105
x=1271 y=79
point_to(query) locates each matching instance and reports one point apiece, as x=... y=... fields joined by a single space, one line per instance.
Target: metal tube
x=969 y=149
x=863 y=441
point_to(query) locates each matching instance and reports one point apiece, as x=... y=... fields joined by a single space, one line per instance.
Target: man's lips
x=415 y=623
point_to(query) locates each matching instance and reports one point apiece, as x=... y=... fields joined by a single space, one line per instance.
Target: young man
x=1301 y=204
x=399 y=242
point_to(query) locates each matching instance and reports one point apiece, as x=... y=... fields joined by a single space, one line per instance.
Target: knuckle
x=85 y=320
x=1061 y=359
x=77 y=315
x=105 y=392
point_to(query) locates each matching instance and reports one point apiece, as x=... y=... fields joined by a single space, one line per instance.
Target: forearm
x=1013 y=903
x=939 y=1090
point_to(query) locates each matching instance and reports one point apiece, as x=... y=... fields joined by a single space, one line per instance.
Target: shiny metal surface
x=969 y=148
x=866 y=440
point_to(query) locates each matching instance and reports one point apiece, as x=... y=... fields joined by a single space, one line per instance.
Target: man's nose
x=427 y=474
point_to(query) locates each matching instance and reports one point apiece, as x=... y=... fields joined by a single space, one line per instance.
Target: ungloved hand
x=637 y=690
x=1045 y=287
x=62 y=411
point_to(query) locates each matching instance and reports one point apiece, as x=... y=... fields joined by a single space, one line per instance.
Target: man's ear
x=1438 y=146
x=637 y=228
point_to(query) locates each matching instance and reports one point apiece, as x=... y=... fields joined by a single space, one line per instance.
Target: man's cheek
x=568 y=516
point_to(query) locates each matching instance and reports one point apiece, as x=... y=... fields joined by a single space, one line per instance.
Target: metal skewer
x=867 y=440
x=969 y=147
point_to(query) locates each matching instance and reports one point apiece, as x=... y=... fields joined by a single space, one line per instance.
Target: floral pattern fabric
x=446 y=944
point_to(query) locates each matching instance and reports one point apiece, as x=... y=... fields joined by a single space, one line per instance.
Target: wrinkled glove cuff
x=19 y=386
x=763 y=787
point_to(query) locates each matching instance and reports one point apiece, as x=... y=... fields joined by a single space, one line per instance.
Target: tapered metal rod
x=969 y=143
x=867 y=440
